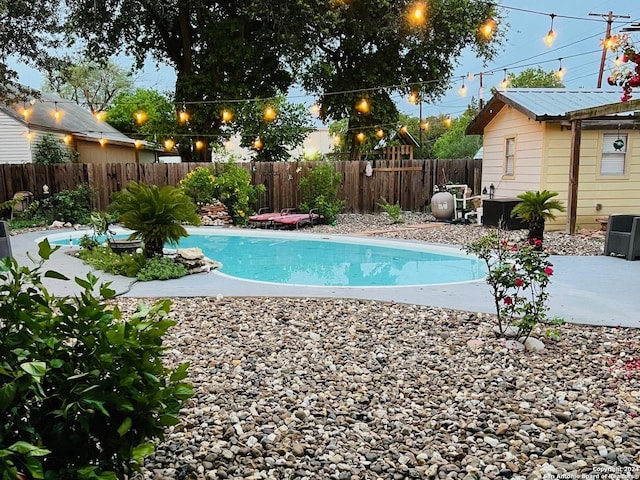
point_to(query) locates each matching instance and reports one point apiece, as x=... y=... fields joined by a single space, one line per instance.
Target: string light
x=199 y=144
x=138 y=143
x=505 y=81
x=66 y=139
x=424 y=126
x=227 y=116
x=57 y=114
x=183 y=116
x=169 y=144
x=26 y=112
x=551 y=36
x=363 y=106
x=418 y=14
x=29 y=134
x=140 y=117
x=471 y=77
x=100 y=116
x=463 y=89
x=314 y=109
x=487 y=28
x=379 y=133
x=617 y=62
x=447 y=121
x=257 y=143
x=269 y=114
x=561 y=71
x=413 y=98
x=361 y=137
x=103 y=141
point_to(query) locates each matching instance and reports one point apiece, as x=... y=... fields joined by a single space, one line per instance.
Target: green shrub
x=233 y=188
x=72 y=206
x=199 y=184
x=319 y=189
x=82 y=390
x=102 y=258
x=394 y=211
x=161 y=268
x=50 y=149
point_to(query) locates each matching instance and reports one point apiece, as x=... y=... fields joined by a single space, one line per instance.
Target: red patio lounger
x=297 y=220
x=265 y=219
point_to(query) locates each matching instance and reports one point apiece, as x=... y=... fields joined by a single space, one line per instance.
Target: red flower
x=518 y=282
x=548 y=270
x=508 y=301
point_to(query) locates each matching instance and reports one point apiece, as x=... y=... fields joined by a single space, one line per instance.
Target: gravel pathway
x=350 y=389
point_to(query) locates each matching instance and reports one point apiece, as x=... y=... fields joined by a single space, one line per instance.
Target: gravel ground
x=349 y=389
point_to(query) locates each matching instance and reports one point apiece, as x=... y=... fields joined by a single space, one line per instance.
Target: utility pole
x=610 y=17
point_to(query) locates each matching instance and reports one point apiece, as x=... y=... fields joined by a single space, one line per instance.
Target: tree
x=433 y=127
x=535 y=78
x=272 y=133
x=87 y=82
x=50 y=149
x=454 y=143
x=245 y=49
x=143 y=114
x=28 y=29
x=373 y=43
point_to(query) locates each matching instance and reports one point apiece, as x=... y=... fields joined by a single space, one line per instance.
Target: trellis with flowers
x=627 y=75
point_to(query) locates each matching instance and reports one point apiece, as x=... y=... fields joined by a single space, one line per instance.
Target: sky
x=577 y=49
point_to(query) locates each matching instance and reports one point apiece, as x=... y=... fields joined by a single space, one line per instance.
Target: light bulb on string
x=505 y=81
x=26 y=112
x=103 y=141
x=363 y=106
x=413 y=98
x=66 y=139
x=561 y=71
x=183 y=115
x=618 y=61
x=424 y=126
x=447 y=121
x=360 y=137
x=418 y=14
x=199 y=144
x=169 y=144
x=29 y=134
x=487 y=28
x=551 y=36
x=140 y=117
x=463 y=89
x=138 y=143
x=269 y=114
x=227 y=116
x=57 y=114
x=257 y=143
x=314 y=109
x=379 y=133
x=100 y=116
x=471 y=77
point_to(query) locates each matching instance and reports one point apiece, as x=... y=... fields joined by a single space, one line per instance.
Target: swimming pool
x=326 y=260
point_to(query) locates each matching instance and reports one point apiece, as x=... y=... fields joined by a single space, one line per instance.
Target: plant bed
x=121 y=246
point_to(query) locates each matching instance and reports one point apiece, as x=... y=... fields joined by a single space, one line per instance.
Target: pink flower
x=508 y=301
x=518 y=282
x=548 y=271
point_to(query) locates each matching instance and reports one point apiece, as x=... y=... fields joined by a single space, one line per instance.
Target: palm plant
x=535 y=209
x=154 y=214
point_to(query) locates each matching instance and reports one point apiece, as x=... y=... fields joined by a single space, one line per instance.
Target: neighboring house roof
x=73 y=119
x=542 y=104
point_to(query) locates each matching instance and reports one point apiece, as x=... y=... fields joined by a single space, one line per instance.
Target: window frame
x=511 y=140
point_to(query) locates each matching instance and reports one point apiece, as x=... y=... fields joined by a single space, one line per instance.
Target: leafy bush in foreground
x=82 y=390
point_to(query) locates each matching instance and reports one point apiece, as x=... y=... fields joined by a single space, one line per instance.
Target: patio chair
x=21 y=202
x=264 y=218
x=623 y=236
x=297 y=220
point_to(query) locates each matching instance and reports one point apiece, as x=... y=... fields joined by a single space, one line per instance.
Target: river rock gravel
x=350 y=389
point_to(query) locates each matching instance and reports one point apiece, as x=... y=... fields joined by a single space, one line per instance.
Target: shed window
x=613 y=160
x=509 y=156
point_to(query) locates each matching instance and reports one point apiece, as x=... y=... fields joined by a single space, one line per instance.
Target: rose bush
x=518 y=276
x=627 y=75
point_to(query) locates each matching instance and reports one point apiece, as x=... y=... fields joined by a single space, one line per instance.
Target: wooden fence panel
x=409 y=182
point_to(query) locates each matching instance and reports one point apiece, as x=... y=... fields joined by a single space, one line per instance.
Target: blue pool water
x=304 y=259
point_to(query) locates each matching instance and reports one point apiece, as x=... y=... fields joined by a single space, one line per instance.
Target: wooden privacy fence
x=407 y=182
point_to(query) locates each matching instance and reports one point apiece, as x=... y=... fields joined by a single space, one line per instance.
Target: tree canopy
x=87 y=82
x=454 y=143
x=535 y=78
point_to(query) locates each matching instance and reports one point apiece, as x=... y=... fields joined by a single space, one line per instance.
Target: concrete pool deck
x=593 y=290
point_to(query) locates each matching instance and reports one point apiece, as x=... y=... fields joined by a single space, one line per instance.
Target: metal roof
x=543 y=104
x=73 y=119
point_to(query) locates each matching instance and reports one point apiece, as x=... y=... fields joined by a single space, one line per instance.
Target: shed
x=527 y=145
